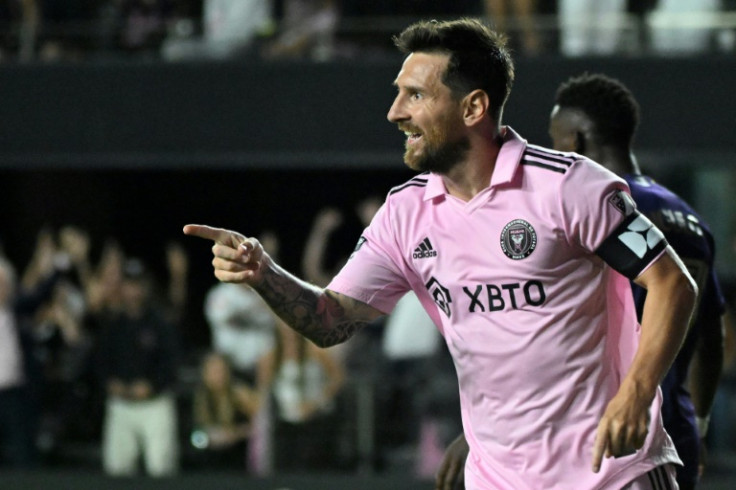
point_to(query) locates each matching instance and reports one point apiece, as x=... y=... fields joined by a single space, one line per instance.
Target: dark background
x=134 y=151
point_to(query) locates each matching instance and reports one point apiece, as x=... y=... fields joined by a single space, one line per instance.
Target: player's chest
x=492 y=243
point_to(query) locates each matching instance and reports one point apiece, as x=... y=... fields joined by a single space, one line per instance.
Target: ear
x=475 y=106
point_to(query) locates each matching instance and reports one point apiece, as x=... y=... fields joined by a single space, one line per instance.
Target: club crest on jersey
x=518 y=239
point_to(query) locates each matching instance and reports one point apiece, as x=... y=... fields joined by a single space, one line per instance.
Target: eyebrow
x=410 y=88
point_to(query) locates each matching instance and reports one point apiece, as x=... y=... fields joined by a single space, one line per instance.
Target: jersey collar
x=507 y=162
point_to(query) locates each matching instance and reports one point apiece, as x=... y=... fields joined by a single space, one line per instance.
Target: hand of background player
x=237 y=258
x=451 y=475
x=623 y=427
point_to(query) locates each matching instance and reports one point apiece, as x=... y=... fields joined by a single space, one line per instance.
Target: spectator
x=316 y=263
x=223 y=411
x=521 y=24
x=17 y=431
x=591 y=28
x=103 y=287
x=136 y=26
x=138 y=359
x=63 y=347
x=410 y=340
x=241 y=325
x=303 y=381
x=673 y=31
x=314 y=260
x=319 y=266
x=307 y=30
x=230 y=29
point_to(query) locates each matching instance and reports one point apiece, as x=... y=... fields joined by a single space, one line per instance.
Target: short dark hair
x=607 y=102
x=479 y=58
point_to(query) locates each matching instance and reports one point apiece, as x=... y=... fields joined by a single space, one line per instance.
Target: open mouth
x=412 y=138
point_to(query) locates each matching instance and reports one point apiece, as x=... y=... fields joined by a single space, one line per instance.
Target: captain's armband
x=633 y=245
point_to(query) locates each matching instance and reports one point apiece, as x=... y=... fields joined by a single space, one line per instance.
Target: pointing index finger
x=599 y=447
x=218 y=235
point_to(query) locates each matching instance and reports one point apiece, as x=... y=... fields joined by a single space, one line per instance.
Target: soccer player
x=597 y=116
x=511 y=248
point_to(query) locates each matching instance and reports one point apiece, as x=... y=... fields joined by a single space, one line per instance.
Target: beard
x=438 y=155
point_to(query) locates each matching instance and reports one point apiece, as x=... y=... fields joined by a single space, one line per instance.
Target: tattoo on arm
x=317 y=314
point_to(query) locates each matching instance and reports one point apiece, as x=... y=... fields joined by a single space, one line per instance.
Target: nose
x=396 y=112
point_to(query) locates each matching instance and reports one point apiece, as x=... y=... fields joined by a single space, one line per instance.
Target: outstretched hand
x=236 y=258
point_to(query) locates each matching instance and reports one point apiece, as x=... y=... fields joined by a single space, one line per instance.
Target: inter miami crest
x=518 y=239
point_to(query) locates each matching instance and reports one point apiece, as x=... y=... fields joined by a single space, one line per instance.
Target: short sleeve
x=601 y=217
x=375 y=273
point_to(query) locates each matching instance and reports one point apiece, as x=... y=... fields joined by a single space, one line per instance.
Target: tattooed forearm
x=319 y=315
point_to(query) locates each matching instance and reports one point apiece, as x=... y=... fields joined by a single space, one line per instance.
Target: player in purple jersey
x=515 y=266
x=597 y=116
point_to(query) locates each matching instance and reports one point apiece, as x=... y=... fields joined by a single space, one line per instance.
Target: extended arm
x=671 y=295
x=323 y=316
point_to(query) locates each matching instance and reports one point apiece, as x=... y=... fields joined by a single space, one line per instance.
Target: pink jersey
x=540 y=328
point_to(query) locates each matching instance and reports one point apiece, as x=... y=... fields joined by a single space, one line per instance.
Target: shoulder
x=566 y=175
x=412 y=187
x=548 y=162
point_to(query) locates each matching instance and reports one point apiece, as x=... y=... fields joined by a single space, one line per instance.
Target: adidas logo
x=424 y=250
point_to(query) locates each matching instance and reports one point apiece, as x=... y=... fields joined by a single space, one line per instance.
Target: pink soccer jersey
x=540 y=328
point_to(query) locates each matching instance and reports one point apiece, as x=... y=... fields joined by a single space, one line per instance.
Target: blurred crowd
x=95 y=372
x=178 y=30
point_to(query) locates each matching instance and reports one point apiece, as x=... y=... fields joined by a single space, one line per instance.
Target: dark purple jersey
x=691 y=238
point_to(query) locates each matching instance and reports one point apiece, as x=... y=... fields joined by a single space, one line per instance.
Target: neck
x=473 y=175
x=620 y=161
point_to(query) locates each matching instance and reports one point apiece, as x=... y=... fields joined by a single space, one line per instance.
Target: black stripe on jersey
x=658 y=479
x=415 y=182
x=543 y=165
x=548 y=155
x=652 y=480
x=665 y=479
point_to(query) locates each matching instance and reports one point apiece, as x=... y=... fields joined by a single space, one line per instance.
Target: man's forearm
x=664 y=325
x=313 y=312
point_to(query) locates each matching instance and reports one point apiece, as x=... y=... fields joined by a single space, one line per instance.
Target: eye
x=415 y=95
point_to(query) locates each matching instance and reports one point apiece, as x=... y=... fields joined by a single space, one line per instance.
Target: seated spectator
x=222 y=415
